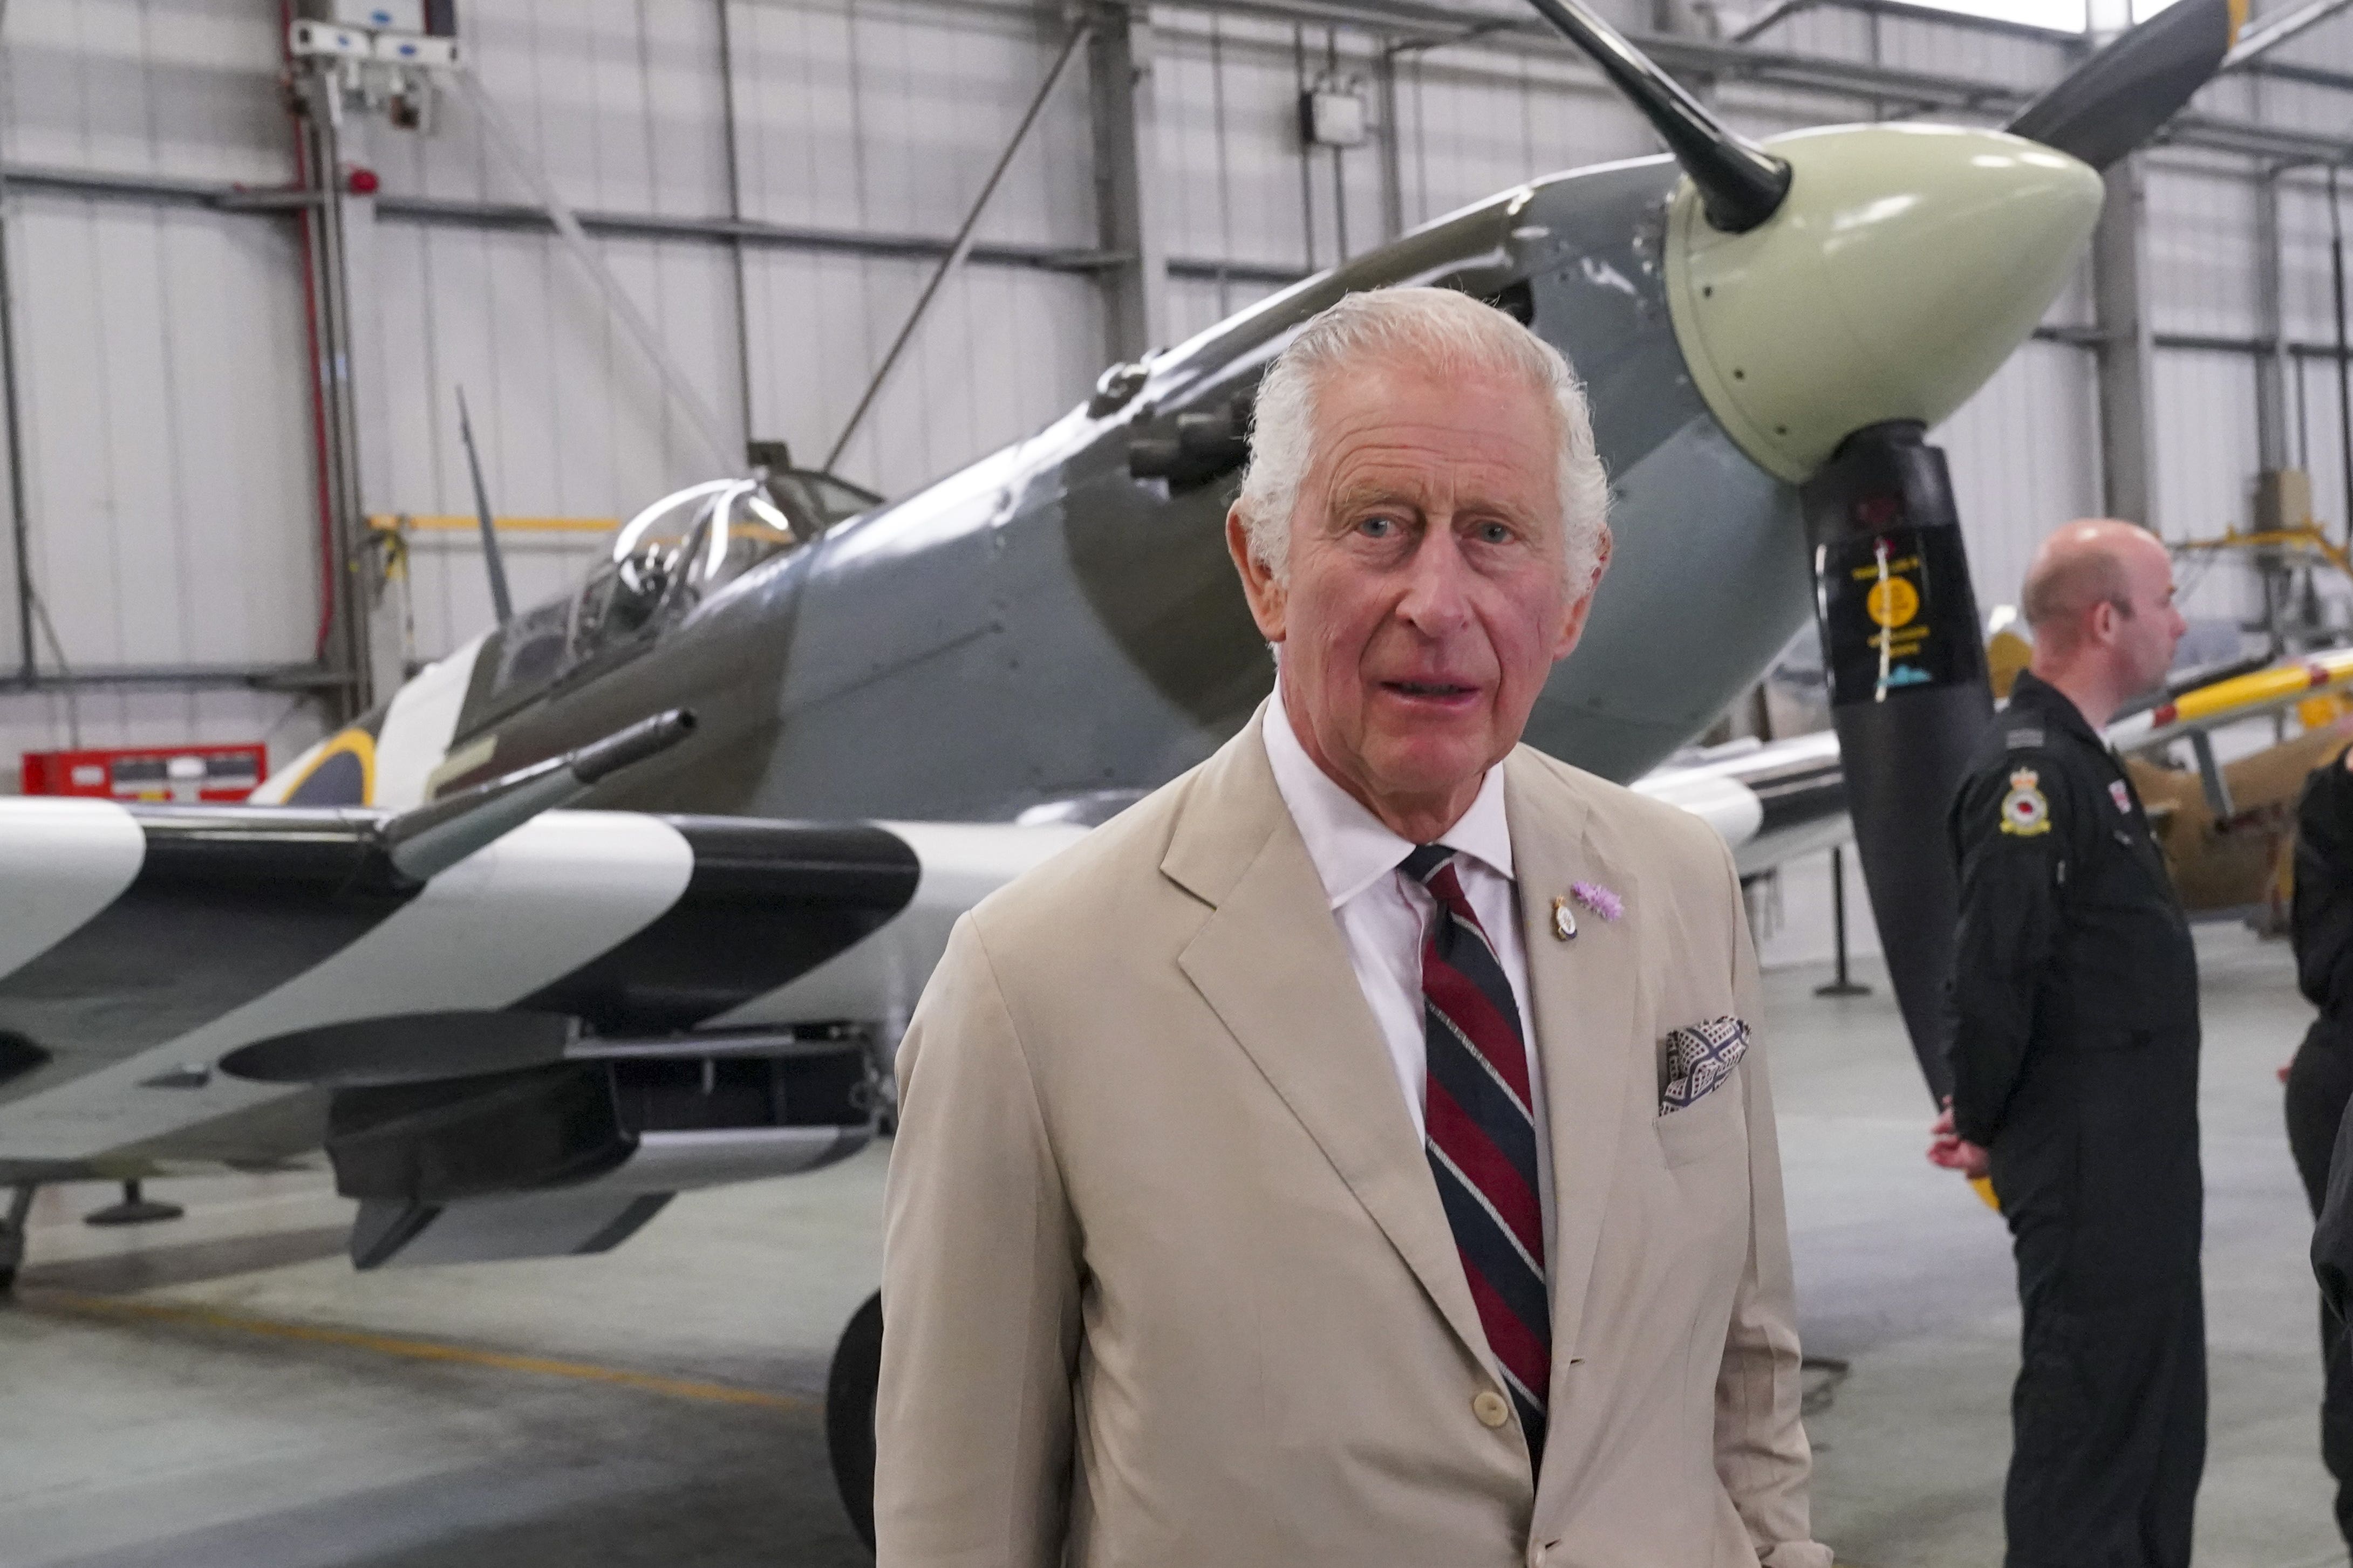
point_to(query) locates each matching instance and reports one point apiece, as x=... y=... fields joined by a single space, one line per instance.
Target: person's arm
x=2321 y=914
x=980 y=1293
x=1761 y=1455
x=2332 y=1236
x=2012 y=885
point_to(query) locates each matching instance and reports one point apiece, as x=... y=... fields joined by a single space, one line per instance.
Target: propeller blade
x=1740 y=183
x=2117 y=99
x=1908 y=694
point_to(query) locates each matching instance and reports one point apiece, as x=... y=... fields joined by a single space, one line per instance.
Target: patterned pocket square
x=1699 y=1059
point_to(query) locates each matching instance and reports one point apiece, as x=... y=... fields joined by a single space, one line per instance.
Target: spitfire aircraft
x=515 y=1026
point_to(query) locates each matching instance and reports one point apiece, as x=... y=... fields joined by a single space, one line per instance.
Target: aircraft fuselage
x=1044 y=626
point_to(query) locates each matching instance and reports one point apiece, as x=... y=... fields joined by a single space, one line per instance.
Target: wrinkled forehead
x=1400 y=431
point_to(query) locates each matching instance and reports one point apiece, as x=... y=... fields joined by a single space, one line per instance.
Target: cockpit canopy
x=695 y=540
x=666 y=560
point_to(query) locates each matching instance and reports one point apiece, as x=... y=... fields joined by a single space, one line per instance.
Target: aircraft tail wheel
x=849 y=1414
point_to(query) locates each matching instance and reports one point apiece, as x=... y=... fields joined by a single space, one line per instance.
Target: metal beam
x=2310 y=76
x=1208 y=269
x=2195 y=342
x=463 y=214
x=962 y=245
x=509 y=147
x=345 y=646
x=1119 y=61
x=753 y=233
x=227 y=197
x=20 y=517
x=1388 y=144
x=749 y=232
x=2272 y=31
x=2127 y=480
x=2271 y=362
x=2061 y=38
x=181 y=678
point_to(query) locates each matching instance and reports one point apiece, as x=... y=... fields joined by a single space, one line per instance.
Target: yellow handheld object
x=1983 y=1187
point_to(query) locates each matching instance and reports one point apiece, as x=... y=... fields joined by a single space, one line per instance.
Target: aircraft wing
x=526 y=1053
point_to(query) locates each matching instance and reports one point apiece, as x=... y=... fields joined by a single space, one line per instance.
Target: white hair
x=1448 y=331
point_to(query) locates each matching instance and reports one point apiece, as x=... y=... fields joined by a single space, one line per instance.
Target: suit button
x=1490 y=1408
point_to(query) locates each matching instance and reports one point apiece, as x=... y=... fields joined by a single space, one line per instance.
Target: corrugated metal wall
x=868 y=118
x=167 y=430
x=170 y=463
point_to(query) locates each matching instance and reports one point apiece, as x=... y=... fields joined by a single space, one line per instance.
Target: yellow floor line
x=415 y=1350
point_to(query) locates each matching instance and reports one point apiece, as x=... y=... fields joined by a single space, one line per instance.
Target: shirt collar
x=1350 y=846
x=2030 y=693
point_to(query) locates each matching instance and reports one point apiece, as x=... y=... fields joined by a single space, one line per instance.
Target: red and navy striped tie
x=1482 y=1137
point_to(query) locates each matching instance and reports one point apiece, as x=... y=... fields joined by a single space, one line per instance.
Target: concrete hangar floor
x=223 y=1392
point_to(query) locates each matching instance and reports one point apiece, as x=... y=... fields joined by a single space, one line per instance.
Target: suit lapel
x=1271 y=963
x=1586 y=996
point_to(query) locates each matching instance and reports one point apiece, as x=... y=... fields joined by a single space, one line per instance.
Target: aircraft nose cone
x=1904 y=266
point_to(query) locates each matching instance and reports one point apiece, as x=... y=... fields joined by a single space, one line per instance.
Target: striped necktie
x=1482 y=1137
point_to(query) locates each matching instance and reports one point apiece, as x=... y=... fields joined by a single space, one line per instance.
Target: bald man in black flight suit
x=2074 y=1061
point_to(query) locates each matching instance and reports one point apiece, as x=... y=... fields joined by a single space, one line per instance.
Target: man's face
x=2146 y=640
x=1427 y=596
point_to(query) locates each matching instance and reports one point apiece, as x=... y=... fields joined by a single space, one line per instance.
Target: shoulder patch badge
x=2121 y=795
x=2024 y=812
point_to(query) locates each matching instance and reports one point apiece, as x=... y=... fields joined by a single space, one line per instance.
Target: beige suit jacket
x=1166 y=1283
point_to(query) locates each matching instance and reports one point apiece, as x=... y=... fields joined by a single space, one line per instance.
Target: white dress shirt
x=1384 y=915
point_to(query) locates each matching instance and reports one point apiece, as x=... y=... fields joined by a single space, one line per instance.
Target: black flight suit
x=2320 y=1080
x=2075 y=1060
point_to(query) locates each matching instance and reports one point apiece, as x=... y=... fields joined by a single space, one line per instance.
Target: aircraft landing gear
x=12 y=1232
x=134 y=1209
x=849 y=1414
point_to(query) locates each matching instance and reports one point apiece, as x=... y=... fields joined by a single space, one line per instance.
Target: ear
x=1269 y=603
x=1572 y=624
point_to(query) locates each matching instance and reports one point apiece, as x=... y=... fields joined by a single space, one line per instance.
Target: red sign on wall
x=183 y=774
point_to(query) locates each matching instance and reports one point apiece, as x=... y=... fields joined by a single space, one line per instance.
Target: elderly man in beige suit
x=1357 y=1153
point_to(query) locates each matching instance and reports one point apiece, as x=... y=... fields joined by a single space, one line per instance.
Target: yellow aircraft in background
x=2228 y=829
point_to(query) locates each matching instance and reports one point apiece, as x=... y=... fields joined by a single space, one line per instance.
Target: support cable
x=508 y=146
x=962 y=247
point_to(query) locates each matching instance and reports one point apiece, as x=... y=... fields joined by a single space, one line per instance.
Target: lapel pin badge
x=1564 y=924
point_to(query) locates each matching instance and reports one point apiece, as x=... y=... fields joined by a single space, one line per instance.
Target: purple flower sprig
x=1601 y=900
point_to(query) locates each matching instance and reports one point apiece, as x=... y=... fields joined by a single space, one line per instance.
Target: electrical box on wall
x=2282 y=500
x=374 y=16
x=187 y=775
x=1332 y=114
x=403 y=49
x=378 y=56
x=328 y=39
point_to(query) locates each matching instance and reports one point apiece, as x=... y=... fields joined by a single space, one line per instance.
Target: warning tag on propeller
x=1896 y=613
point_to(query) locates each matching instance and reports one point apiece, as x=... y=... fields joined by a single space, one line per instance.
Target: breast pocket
x=1711 y=1128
